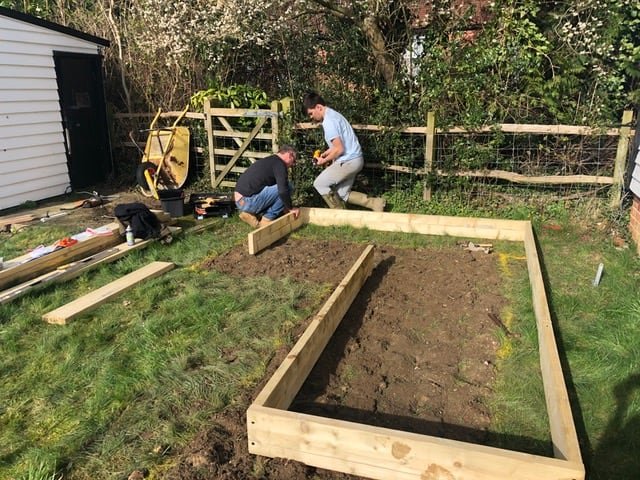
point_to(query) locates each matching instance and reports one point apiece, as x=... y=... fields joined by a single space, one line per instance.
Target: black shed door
x=84 y=117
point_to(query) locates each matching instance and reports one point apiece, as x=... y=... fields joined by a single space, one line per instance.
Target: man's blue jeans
x=267 y=202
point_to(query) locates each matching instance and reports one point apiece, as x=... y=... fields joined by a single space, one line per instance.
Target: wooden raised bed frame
x=383 y=453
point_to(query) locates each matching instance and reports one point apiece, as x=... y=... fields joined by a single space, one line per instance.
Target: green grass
x=104 y=394
x=598 y=335
x=144 y=370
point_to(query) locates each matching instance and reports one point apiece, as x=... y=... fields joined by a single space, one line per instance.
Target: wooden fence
x=238 y=137
x=254 y=136
x=430 y=133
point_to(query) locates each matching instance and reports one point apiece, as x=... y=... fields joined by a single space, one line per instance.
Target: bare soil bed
x=415 y=352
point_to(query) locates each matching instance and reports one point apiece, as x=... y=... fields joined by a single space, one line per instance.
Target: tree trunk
x=384 y=60
x=373 y=33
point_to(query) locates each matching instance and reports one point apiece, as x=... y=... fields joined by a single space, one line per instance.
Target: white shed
x=53 y=129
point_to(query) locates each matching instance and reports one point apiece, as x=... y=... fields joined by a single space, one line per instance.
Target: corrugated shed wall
x=33 y=164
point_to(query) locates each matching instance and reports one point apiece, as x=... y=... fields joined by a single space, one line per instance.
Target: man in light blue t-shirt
x=343 y=157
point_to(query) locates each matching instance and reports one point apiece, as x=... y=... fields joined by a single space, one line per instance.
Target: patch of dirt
x=415 y=352
x=94 y=216
x=81 y=210
x=320 y=261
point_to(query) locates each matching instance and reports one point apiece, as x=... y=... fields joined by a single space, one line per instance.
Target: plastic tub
x=172 y=201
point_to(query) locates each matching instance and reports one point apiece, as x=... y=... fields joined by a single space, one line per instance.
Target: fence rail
x=432 y=157
x=587 y=153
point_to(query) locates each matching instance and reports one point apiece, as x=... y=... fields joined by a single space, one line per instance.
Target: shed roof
x=25 y=17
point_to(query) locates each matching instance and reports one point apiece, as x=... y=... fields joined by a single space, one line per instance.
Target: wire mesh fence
x=484 y=168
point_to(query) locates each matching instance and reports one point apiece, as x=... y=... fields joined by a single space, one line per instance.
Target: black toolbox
x=212 y=204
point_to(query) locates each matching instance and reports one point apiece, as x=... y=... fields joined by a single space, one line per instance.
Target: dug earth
x=415 y=352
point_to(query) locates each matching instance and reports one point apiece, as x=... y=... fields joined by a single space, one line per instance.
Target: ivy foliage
x=233 y=96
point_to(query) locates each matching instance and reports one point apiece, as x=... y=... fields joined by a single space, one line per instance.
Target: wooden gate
x=237 y=137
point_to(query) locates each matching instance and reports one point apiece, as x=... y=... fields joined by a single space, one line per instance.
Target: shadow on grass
x=616 y=456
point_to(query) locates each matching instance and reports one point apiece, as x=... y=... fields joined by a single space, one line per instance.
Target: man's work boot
x=265 y=221
x=249 y=218
x=333 y=200
x=376 y=204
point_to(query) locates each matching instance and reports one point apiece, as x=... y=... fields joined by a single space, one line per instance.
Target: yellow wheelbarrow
x=165 y=159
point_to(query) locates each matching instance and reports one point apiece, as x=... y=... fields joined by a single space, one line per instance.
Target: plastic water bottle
x=129 y=235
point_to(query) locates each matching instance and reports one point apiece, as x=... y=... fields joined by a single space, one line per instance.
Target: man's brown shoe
x=249 y=218
x=264 y=221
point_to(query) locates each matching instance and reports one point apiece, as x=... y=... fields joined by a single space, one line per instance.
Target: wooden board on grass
x=382 y=453
x=15 y=219
x=287 y=380
x=91 y=300
x=25 y=268
x=72 y=270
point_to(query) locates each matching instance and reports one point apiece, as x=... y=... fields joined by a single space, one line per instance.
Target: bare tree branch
x=337 y=10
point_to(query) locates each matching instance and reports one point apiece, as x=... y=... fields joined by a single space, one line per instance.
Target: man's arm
x=280 y=174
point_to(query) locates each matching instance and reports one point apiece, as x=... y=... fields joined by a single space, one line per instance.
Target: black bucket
x=172 y=201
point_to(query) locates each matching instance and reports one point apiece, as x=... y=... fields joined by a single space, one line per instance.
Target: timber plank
x=563 y=431
x=16 y=219
x=381 y=453
x=264 y=236
x=424 y=224
x=23 y=268
x=91 y=300
x=503 y=127
x=289 y=377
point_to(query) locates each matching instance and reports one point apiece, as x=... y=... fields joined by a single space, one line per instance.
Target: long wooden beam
x=264 y=236
x=563 y=431
x=90 y=301
x=25 y=268
x=287 y=380
x=504 y=175
x=502 y=127
x=16 y=219
x=384 y=454
x=486 y=228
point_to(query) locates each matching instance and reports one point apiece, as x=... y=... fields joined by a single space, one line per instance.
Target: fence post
x=208 y=125
x=287 y=104
x=275 y=125
x=428 y=153
x=621 y=159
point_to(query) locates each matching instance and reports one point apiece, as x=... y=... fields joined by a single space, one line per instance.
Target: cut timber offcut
x=97 y=297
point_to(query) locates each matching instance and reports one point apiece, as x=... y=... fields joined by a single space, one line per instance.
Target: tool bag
x=143 y=222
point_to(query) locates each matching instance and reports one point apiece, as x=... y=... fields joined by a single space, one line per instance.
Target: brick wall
x=634 y=222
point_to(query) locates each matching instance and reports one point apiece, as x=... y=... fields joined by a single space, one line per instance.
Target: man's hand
x=324 y=159
x=295 y=211
x=320 y=158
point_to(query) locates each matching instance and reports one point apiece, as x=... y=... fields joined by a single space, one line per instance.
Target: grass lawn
x=106 y=393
